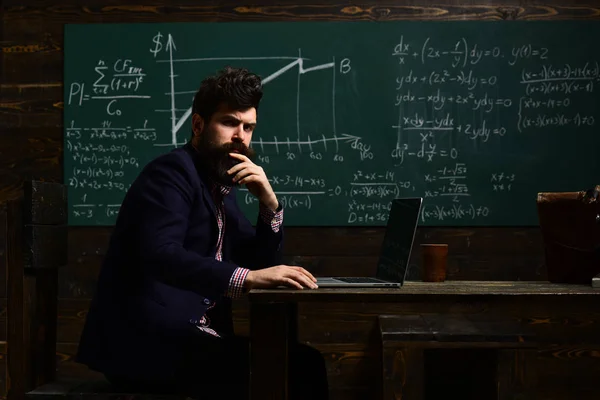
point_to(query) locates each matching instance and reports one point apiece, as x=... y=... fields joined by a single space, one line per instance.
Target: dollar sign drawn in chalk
x=158 y=46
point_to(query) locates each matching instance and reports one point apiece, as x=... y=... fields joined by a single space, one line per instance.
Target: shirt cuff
x=236 y=283
x=270 y=217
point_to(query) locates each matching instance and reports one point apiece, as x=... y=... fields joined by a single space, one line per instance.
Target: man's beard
x=217 y=160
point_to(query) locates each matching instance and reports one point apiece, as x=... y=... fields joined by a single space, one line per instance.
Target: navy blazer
x=160 y=274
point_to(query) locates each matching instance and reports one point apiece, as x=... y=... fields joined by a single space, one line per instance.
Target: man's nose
x=239 y=135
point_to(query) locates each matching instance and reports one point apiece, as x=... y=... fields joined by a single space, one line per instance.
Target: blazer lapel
x=208 y=199
x=206 y=189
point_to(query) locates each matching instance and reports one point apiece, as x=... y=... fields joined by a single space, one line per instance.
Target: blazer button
x=206 y=301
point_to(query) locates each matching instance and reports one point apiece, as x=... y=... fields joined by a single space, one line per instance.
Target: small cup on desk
x=433 y=262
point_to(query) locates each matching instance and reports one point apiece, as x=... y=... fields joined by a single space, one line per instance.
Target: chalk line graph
x=295 y=62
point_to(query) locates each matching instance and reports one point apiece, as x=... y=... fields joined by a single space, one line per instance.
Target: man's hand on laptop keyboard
x=280 y=275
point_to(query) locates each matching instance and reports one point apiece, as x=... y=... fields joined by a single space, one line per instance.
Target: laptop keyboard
x=358 y=280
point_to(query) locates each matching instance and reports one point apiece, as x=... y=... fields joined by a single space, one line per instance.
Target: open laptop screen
x=398 y=240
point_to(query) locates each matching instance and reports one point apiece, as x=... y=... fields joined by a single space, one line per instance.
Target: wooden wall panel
x=2 y=258
x=31 y=103
x=2 y=369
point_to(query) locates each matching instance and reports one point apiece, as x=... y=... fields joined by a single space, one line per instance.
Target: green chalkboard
x=476 y=117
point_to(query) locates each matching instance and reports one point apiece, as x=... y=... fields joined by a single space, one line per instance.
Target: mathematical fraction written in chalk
x=463 y=53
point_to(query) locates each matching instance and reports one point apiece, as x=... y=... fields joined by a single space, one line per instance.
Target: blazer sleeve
x=166 y=200
x=255 y=247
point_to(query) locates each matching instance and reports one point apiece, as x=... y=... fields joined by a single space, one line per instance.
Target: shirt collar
x=222 y=190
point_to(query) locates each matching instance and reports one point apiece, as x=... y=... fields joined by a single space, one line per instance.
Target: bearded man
x=181 y=250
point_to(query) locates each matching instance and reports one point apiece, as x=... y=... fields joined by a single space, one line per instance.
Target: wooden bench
x=406 y=339
x=37 y=243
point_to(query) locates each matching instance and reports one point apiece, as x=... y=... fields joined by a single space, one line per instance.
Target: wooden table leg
x=272 y=329
x=516 y=374
x=403 y=373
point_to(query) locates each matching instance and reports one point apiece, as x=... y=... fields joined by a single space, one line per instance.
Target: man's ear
x=197 y=124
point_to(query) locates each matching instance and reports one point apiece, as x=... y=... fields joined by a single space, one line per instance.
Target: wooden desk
x=558 y=314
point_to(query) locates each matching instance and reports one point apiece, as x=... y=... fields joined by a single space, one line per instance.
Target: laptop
x=395 y=251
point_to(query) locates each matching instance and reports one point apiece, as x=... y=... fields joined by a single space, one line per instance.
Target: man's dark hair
x=238 y=88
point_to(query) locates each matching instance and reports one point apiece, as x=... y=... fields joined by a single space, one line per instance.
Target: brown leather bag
x=570 y=227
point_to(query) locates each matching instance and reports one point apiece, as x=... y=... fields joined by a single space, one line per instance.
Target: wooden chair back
x=36 y=248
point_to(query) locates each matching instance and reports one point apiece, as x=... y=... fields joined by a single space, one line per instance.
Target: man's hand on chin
x=254 y=177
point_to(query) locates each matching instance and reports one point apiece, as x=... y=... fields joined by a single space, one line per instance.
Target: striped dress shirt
x=236 y=283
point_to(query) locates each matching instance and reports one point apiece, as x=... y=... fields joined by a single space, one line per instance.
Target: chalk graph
x=299 y=64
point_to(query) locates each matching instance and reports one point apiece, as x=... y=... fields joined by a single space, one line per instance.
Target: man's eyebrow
x=236 y=119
